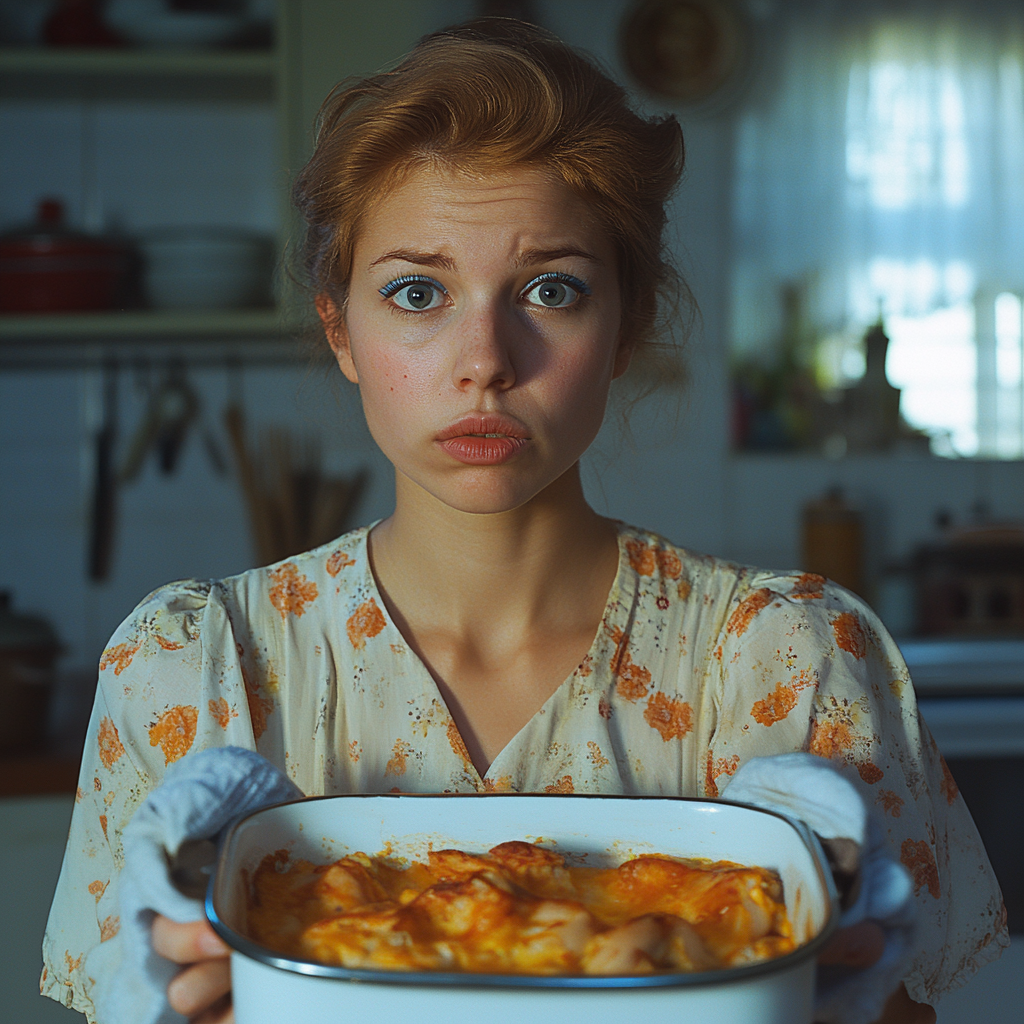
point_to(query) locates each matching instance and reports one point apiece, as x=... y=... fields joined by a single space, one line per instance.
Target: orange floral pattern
x=831 y=739
x=562 y=785
x=399 y=759
x=502 y=784
x=716 y=769
x=109 y=927
x=120 y=657
x=670 y=716
x=869 y=771
x=641 y=557
x=291 y=591
x=632 y=681
x=647 y=559
x=850 y=634
x=110 y=746
x=892 y=803
x=697 y=667
x=339 y=560
x=174 y=731
x=739 y=621
x=809 y=587
x=778 y=704
x=364 y=624
x=221 y=712
x=458 y=745
x=919 y=860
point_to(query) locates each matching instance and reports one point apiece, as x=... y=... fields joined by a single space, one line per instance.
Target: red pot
x=46 y=268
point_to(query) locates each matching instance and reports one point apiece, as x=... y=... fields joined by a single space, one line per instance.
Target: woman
x=485 y=245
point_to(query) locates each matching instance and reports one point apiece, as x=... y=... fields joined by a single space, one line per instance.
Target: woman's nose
x=484 y=358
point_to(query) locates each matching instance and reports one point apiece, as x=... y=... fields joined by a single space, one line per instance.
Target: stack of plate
x=207 y=268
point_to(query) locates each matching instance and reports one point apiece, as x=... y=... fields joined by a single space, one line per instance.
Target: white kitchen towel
x=811 y=789
x=200 y=796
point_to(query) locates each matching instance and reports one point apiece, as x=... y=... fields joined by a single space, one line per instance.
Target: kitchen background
x=834 y=173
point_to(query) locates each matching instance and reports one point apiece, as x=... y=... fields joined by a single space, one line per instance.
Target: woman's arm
x=861 y=945
x=901 y=1009
x=806 y=666
x=169 y=683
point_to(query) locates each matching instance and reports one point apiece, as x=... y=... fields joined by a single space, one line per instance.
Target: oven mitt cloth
x=179 y=823
x=873 y=886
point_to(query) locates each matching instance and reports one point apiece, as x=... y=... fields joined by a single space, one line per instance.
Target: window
x=882 y=175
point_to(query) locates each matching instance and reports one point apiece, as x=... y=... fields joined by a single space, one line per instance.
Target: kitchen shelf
x=145 y=74
x=144 y=323
x=140 y=61
x=85 y=340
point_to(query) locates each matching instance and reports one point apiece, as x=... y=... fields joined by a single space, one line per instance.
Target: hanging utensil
x=164 y=425
x=178 y=407
x=104 y=497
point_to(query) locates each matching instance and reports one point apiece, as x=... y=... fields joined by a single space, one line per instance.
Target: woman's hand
x=861 y=945
x=202 y=989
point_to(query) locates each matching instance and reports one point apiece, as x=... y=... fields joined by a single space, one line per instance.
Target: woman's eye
x=415 y=295
x=554 y=293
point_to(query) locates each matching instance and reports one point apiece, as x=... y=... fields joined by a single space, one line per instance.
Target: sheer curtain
x=880 y=165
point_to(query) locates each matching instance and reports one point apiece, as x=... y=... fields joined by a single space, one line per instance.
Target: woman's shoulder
x=171 y=617
x=746 y=599
x=289 y=587
x=293 y=579
x=651 y=555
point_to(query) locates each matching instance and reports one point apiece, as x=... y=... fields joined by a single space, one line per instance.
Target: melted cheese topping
x=519 y=910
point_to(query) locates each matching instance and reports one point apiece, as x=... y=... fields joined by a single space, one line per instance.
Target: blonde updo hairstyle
x=491 y=95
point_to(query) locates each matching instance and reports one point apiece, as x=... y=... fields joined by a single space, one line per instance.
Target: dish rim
x=263 y=954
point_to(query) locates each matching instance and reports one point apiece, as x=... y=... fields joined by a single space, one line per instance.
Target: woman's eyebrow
x=526 y=258
x=422 y=259
x=530 y=256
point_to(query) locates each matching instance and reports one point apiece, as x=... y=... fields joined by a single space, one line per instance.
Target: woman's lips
x=483 y=440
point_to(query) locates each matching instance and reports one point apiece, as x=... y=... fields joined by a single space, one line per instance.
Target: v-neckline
x=431 y=688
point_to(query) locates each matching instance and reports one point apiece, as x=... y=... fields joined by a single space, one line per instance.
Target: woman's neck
x=499 y=608
x=520 y=568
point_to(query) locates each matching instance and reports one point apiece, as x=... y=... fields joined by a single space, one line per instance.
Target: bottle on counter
x=832 y=540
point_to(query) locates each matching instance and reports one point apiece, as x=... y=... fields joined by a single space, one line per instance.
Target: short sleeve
x=170 y=681
x=805 y=665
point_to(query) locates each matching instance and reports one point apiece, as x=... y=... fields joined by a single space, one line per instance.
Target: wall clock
x=684 y=50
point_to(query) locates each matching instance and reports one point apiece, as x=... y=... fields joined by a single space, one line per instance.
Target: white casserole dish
x=271 y=989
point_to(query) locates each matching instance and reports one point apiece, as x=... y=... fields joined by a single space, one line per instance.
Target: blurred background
x=851 y=224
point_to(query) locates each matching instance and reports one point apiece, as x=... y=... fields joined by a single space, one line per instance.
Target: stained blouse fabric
x=698 y=665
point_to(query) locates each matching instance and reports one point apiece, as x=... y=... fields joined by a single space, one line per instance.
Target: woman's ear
x=337 y=335
x=623 y=355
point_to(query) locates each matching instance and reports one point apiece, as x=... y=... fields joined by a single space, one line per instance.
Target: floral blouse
x=698 y=665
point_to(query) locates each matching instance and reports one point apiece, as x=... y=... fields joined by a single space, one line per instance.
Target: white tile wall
x=190 y=524
x=138 y=166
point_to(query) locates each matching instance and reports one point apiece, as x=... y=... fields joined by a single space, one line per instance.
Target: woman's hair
x=491 y=95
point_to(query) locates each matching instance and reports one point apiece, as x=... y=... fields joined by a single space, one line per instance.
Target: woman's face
x=483 y=329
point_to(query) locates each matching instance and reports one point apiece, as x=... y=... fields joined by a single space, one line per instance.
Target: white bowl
x=269 y=988
x=156 y=23
x=207 y=268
